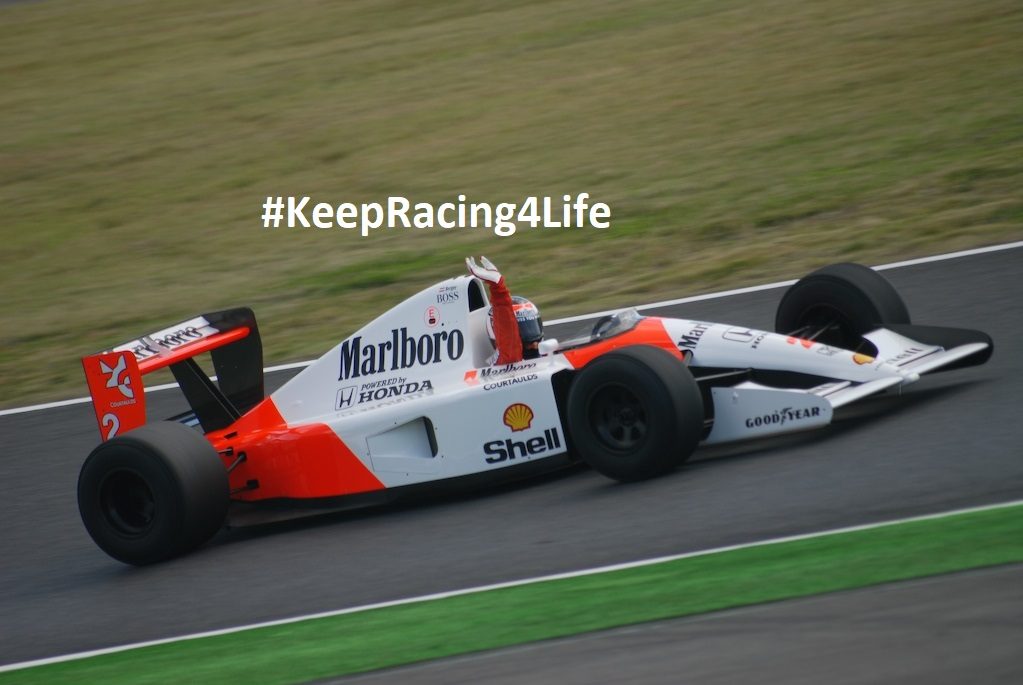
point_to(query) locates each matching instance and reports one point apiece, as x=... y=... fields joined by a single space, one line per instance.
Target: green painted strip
x=392 y=636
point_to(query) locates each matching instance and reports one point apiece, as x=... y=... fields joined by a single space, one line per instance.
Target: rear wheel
x=837 y=304
x=635 y=413
x=153 y=493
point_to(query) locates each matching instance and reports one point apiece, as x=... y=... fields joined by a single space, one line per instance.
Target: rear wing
x=232 y=339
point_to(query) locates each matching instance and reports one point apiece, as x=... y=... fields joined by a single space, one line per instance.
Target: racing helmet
x=527 y=315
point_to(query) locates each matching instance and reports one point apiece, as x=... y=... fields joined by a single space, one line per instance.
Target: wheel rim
x=127 y=503
x=618 y=418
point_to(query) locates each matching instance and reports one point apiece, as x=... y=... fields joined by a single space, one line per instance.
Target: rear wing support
x=211 y=406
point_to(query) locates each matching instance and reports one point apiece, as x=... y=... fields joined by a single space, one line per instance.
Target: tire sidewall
x=187 y=481
x=169 y=515
x=658 y=382
x=863 y=299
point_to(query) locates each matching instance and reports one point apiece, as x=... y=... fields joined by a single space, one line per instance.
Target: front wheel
x=837 y=304
x=153 y=493
x=635 y=413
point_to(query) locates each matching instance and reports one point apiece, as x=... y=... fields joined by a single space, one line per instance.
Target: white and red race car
x=408 y=400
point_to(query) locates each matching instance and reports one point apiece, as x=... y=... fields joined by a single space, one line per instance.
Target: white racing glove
x=487 y=272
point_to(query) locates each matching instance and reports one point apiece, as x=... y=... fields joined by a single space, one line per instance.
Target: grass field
x=735 y=141
x=350 y=643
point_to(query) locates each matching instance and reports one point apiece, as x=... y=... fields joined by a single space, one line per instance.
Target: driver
x=515 y=326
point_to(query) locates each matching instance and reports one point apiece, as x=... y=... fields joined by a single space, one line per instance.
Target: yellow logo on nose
x=518 y=417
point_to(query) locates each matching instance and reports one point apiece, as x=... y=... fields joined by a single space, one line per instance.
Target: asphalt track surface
x=950 y=441
x=959 y=628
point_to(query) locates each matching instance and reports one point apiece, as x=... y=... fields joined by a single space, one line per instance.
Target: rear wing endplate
x=232 y=339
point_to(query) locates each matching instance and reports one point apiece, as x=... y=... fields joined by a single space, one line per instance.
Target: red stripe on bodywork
x=297 y=462
x=649 y=331
x=159 y=361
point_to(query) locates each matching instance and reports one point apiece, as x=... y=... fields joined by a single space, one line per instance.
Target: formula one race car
x=408 y=400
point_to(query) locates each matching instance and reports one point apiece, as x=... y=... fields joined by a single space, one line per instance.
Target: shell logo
x=518 y=417
x=862 y=359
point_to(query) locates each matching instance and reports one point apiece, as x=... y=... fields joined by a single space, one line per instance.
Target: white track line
x=583 y=317
x=510 y=584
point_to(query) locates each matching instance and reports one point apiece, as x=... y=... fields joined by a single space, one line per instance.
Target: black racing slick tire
x=635 y=413
x=837 y=304
x=153 y=493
